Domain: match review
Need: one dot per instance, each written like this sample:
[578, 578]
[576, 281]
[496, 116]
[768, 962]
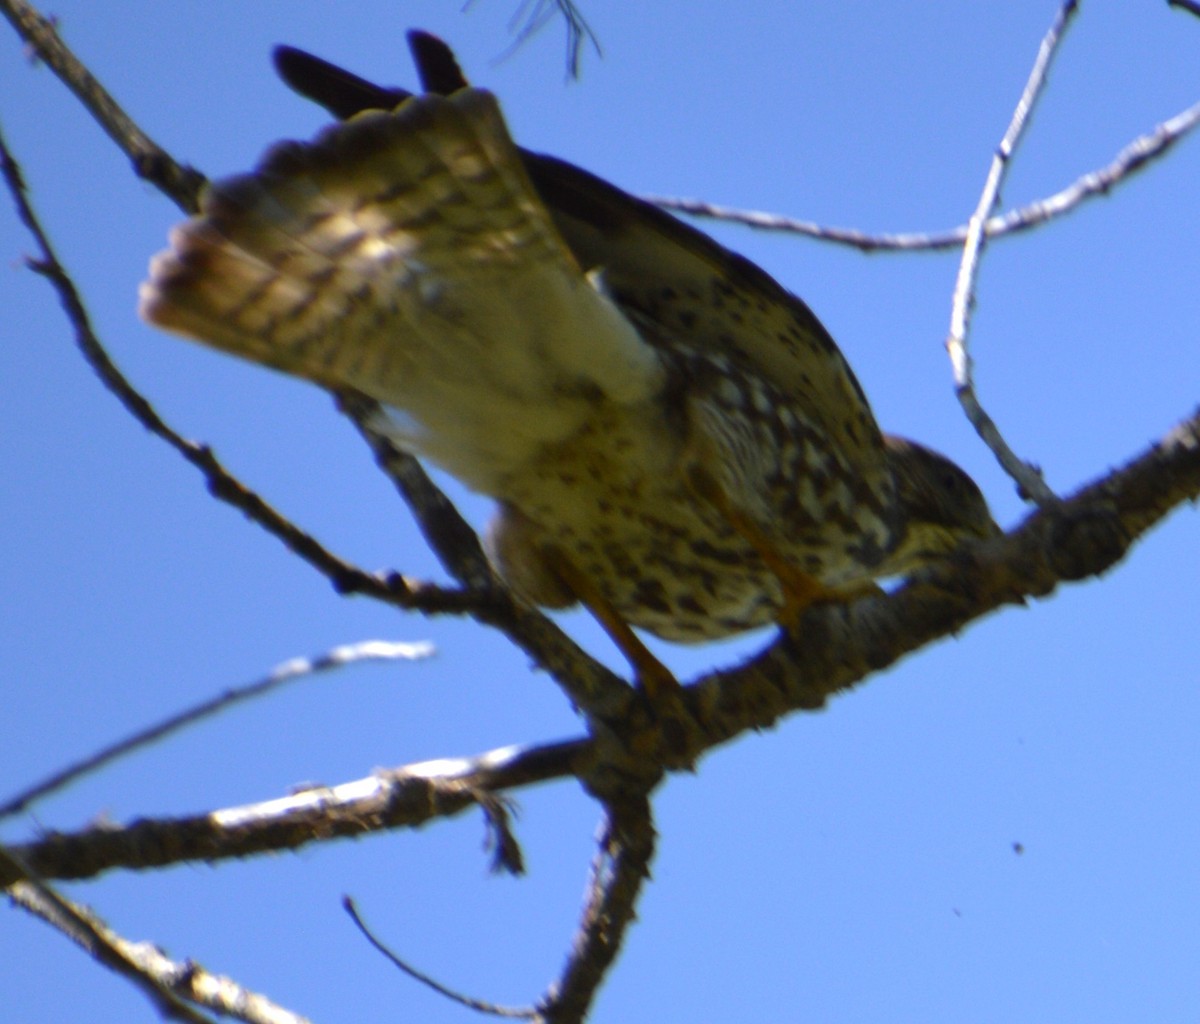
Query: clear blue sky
[854, 865]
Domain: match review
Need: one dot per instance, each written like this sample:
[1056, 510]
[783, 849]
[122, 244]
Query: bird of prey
[671, 437]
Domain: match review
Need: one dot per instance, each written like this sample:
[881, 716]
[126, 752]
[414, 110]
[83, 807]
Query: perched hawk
[671, 437]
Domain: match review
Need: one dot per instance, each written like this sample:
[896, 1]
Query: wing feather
[654, 265]
[406, 255]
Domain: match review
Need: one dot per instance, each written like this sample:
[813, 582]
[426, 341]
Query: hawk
[671, 437]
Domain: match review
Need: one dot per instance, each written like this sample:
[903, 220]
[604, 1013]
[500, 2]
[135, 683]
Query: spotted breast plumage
[671, 437]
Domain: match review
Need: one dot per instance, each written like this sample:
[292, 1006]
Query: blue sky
[853, 865]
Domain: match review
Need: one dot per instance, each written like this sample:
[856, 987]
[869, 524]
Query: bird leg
[653, 677]
[801, 590]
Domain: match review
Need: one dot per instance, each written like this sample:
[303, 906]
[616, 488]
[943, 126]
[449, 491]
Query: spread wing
[653, 264]
[405, 254]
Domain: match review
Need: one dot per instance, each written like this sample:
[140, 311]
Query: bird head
[938, 506]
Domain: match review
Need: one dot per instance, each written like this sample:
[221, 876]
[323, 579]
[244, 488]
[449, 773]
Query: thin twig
[533, 15]
[1028, 477]
[498, 811]
[290, 671]
[1137, 154]
[479, 1005]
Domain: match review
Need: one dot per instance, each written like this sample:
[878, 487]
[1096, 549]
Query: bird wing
[405, 254]
[652, 264]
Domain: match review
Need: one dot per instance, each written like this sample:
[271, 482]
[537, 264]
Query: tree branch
[1139, 153]
[83, 928]
[447, 533]
[619, 870]
[1084, 536]
[404, 798]
[471, 1003]
[290, 671]
[150, 161]
[1028, 477]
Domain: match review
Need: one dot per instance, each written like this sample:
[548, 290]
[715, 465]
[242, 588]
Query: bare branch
[150, 161]
[83, 928]
[405, 798]
[288, 672]
[222, 485]
[1028, 477]
[168, 983]
[620, 869]
[1137, 154]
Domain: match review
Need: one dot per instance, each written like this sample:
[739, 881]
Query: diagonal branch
[446, 532]
[223, 486]
[29, 892]
[619, 871]
[150, 161]
[174, 987]
[1084, 536]
[290, 671]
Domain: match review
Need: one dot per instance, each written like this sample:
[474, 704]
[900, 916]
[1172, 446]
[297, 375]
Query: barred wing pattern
[655, 265]
[407, 256]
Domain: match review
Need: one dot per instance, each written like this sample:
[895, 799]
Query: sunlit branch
[1027, 477]
[404, 798]
[83, 928]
